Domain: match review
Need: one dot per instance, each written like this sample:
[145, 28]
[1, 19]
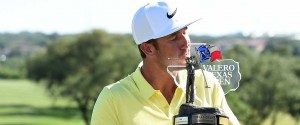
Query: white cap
[156, 20]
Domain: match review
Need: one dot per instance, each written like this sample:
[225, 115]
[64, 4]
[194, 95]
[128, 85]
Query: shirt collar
[143, 86]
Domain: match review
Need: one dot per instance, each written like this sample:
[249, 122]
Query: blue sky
[219, 17]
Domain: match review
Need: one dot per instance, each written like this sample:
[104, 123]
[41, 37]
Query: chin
[182, 62]
[177, 62]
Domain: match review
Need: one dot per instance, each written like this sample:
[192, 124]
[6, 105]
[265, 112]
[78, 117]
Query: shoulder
[120, 87]
[106, 108]
[207, 77]
[111, 95]
[208, 80]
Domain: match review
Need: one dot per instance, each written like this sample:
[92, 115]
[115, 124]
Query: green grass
[23, 102]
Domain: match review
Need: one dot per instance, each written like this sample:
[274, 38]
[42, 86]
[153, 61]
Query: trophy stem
[190, 94]
[190, 114]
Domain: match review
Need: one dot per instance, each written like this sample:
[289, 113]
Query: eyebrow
[173, 34]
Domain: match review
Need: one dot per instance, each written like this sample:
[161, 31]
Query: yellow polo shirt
[133, 101]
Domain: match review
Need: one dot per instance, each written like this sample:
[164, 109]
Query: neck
[159, 79]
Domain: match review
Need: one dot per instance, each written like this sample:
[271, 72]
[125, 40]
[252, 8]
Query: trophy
[226, 72]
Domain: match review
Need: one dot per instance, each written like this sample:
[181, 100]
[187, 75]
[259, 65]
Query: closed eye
[173, 37]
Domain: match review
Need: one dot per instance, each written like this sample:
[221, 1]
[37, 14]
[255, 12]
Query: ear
[148, 49]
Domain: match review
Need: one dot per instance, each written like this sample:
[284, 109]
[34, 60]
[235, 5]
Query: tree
[246, 59]
[293, 96]
[269, 85]
[80, 67]
[283, 46]
[289, 50]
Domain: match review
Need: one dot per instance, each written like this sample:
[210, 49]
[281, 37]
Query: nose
[185, 40]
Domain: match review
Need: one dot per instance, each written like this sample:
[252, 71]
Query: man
[149, 96]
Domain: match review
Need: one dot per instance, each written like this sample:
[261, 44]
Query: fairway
[23, 102]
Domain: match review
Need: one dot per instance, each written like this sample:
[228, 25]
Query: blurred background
[56, 56]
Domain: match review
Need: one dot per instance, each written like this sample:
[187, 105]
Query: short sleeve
[104, 112]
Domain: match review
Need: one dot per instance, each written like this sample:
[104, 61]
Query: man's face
[173, 49]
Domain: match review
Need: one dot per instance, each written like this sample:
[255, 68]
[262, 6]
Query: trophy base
[190, 114]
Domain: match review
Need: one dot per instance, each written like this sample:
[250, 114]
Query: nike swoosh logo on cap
[170, 16]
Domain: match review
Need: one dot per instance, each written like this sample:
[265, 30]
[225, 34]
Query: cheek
[188, 38]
